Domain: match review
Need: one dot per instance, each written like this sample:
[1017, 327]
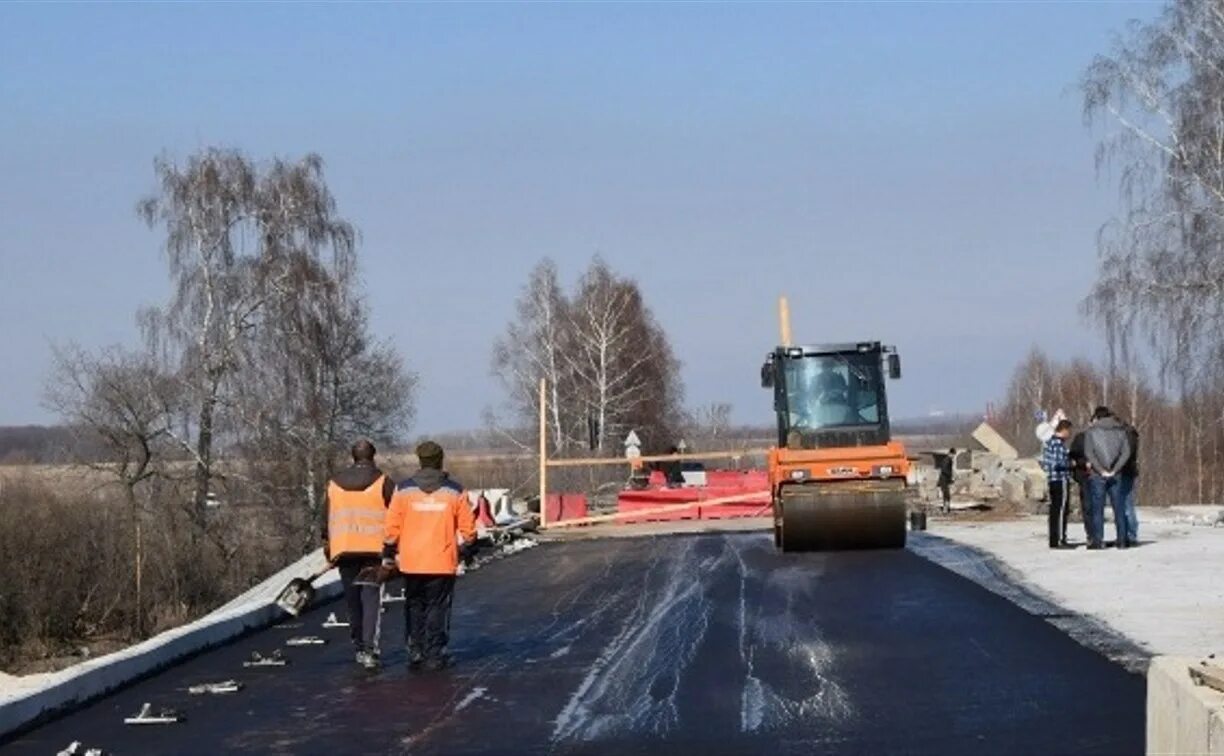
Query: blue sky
[917, 173]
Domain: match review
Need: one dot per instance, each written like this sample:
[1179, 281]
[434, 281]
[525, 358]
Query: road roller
[838, 479]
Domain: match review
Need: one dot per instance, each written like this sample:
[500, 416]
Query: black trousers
[363, 601]
[427, 609]
[946, 490]
[1060, 506]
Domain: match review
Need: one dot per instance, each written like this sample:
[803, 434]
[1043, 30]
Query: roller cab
[837, 477]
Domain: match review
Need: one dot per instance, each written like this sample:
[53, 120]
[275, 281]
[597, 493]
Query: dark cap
[363, 451]
[1101, 412]
[430, 454]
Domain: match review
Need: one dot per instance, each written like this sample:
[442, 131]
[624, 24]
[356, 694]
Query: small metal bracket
[332, 621]
[306, 640]
[146, 716]
[225, 686]
[276, 659]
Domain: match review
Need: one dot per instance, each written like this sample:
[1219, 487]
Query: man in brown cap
[426, 511]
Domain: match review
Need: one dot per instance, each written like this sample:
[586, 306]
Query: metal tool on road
[298, 594]
[217, 688]
[837, 478]
[275, 659]
[332, 621]
[306, 640]
[147, 716]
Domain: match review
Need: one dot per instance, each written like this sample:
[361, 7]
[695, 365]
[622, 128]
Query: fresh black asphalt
[668, 645]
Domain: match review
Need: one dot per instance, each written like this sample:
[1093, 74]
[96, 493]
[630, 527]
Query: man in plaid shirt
[1057, 466]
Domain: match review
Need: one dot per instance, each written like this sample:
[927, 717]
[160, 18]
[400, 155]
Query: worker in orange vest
[354, 514]
[425, 513]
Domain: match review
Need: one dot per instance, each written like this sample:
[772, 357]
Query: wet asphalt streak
[683, 644]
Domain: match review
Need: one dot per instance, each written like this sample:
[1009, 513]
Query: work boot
[415, 658]
[436, 663]
[367, 660]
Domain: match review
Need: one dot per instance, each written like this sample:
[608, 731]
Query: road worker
[353, 519]
[426, 511]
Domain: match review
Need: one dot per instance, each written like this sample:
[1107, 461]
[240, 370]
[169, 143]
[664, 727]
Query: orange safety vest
[355, 519]
[424, 526]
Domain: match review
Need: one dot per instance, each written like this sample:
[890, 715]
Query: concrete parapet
[1182, 716]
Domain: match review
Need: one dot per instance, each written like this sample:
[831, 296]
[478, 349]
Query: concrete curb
[51, 694]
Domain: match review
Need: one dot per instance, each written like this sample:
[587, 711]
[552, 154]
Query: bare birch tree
[532, 348]
[1162, 258]
[311, 381]
[233, 232]
[607, 362]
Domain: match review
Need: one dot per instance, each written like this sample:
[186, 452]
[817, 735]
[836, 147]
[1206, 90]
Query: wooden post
[784, 320]
[543, 454]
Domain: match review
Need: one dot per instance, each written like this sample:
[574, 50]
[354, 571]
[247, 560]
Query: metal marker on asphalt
[225, 686]
[306, 640]
[146, 716]
[257, 659]
[332, 621]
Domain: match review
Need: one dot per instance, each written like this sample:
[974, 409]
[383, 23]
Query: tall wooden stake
[543, 454]
[784, 320]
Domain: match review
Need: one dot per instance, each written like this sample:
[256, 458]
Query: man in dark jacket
[353, 516]
[1131, 471]
[1079, 471]
[946, 475]
[1107, 449]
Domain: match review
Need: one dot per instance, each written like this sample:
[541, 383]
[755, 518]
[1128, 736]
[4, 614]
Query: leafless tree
[235, 234]
[124, 401]
[532, 348]
[625, 376]
[608, 363]
[312, 380]
[1162, 259]
[712, 422]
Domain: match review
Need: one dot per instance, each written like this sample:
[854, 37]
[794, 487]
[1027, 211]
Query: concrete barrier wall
[28, 701]
[1182, 717]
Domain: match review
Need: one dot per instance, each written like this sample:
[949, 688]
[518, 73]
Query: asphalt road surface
[666, 645]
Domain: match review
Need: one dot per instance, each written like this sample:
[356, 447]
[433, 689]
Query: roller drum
[837, 517]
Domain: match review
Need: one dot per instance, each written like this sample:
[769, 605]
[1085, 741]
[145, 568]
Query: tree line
[1159, 295]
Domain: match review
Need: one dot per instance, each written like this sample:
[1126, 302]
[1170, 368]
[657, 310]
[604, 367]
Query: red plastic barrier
[650, 498]
[719, 483]
[566, 506]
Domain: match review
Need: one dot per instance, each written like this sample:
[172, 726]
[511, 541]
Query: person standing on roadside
[1056, 463]
[1079, 471]
[1107, 449]
[1131, 472]
[945, 479]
